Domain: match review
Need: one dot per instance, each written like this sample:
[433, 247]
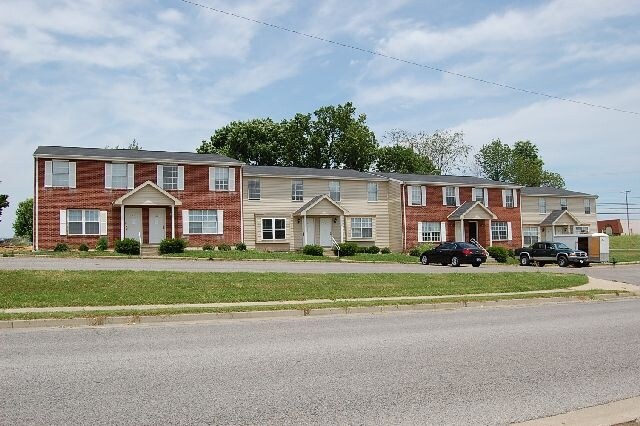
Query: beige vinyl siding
[147, 196]
[575, 206]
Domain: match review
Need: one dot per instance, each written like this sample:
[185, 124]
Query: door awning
[472, 210]
[147, 194]
[321, 205]
[560, 217]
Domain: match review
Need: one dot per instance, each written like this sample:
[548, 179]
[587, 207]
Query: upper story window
[221, 179]
[587, 206]
[416, 196]
[83, 222]
[542, 205]
[563, 203]
[334, 190]
[297, 190]
[60, 173]
[170, 176]
[119, 179]
[372, 191]
[508, 198]
[450, 196]
[478, 194]
[254, 189]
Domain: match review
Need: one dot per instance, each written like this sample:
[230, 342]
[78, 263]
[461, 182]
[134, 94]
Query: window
[542, 205]
[508, 198]
[581, 229]
[530, 234]
[450, 196]
[430, 232]
[254, 189]
[361, 227]
[203, 221]
[221, 179]
[416, 195]
[499, 231]
[334, 190]
[119, 178]
[297, 190]
[372, 191]
[587, 206]
[170, 176]
[60, 173]
[563, 203]
[478, 194]
[273, 229]
[83, 222]
[563, 229]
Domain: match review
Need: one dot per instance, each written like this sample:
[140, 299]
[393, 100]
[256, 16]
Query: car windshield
[562, 246]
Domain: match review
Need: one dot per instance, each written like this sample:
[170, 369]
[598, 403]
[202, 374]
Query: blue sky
[102, 72]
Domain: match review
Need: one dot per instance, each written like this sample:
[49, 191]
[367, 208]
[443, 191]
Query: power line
[406, 61]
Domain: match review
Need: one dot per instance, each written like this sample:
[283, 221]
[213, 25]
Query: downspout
[35, 207]
[242, 205]
[404, 217]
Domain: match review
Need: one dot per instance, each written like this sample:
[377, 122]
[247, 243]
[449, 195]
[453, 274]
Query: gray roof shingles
[304, 172]
[557, 192]
[447, 179]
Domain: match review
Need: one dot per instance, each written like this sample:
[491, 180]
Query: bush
[127, 246]
[224, 247]
[83, 247]
[102, 244]
[313, 250]
[241, 246]
[172, 245]
[500, 254]
[208, 247]
[385, 250]
[373, 250]
[418, 250]
[60, 247]
[347, 249]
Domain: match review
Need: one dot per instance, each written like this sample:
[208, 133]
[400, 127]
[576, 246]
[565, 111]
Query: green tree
[4, 203]
[445, 149]
[494, 160]
[133, 145]
[402, 159]
[23, 225]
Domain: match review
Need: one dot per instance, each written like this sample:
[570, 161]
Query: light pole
[626, 201]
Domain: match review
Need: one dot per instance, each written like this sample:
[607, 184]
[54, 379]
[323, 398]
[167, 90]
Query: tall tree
[402, 159]
[494, 160]
[23, 224]
[4, 203]
[446, 149]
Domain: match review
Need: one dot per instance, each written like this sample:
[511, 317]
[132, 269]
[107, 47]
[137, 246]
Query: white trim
[232, 179]
[509, 232]
[486, 196]
[63, 222]
[220, 218]
[504, 198]
[185, 222]
[103, 222]
[122, 224]
[419, 232]
[121, 200]
[443, 232]
[107, 175]
[456, 190]
[159, 174]
[130, 176]
[72, 174]
[409, 195]
[423, 195]
[444, 195]
[35, 206]
[404, 220]
[180, 178]
[242, 206]
[48, 174]
[212, 178]
[515, 197]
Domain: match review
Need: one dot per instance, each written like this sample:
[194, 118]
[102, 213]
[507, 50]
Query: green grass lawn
[249, 254]
[617, 242]
[103, 288]
[624, 255]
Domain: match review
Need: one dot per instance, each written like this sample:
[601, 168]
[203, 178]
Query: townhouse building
[550, 212]
[82, 194]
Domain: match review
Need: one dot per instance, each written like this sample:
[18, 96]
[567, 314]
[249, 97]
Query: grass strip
[21, 288]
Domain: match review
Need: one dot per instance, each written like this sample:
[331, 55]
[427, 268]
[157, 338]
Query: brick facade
[90, 193]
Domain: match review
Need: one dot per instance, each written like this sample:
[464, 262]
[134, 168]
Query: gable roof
[315, 201]
[540, 191]
[301, 172]
[466, 207]
[555, 215]
[443, 180]
[140, 155]
[142, 186]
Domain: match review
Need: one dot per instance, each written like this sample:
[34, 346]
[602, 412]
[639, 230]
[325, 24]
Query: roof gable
[471, 210]
[560, 217]
[147, 193]
[321, 205]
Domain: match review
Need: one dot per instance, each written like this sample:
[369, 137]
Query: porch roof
[317, 200]
[556, 215]
[472, 210]
[150, 194]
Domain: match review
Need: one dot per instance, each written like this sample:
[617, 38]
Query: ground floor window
[203, 221]
[581, 229]
[273, 229]
[430, 232]
[499, 231]
[564, 230]
[361, 227]
[83, 222]
[530, 234]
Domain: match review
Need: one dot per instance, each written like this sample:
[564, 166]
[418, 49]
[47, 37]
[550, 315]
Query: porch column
[490, 235]
[462, 229]
[304, 229]
[122, 221]
[342, 228]
[173, 221]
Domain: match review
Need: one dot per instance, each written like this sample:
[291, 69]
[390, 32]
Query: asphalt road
[623, 273]
[473, 366]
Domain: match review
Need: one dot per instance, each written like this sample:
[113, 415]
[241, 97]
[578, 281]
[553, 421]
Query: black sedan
[455, 253]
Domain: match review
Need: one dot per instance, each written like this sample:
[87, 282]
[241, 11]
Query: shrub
[127, 246]
[241, 246]
[373, 250]
[208, 247]
[347, 249]
[313, 250]
[385, 250]
[60, 247]
[418, 250]
[172, 245]
[102, 244]
[224, 247]
[83, 247]
[500, 254]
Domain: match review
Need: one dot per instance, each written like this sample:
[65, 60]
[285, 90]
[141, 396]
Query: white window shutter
[72, 174]
[185, 222]
[130, 176]
[419, 231]
[457, 196]
[48, 173]
[232, 179]
[504, 199]
[444, 195]
[180, 178]
[515, 197]
[509, 234]
[473, 194]
[63, 222]
[443, 232]
[486, 196]
[159, 176]
[103, 222]
[220, 221]
[423, 190]
[212, 178]
[107, 175]
[409, 195]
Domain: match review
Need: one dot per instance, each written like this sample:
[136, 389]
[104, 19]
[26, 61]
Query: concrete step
[149, 250]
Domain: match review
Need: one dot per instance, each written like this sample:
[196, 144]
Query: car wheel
[524, 261]
[563, 261]
[475, 264]
[424, 259]
[540, 264]
[455, 262]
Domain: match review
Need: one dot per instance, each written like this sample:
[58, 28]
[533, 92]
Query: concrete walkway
[593, 284]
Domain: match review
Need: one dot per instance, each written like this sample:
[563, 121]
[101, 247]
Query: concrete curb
[288, 313]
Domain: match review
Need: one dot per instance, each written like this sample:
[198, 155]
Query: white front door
[133, 223]
[325, 231]
[311, 231]
[157, 221]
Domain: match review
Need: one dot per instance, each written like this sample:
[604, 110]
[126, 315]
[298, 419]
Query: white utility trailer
[596, 245]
